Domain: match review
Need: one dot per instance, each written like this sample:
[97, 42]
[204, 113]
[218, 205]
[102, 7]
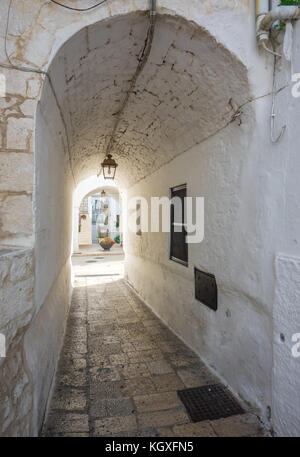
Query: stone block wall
[17, 309]
[17, 111]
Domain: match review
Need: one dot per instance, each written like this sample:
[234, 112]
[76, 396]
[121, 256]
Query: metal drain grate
[209, 402]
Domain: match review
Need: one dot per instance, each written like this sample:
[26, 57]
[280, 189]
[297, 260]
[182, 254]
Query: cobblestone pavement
[120, 368]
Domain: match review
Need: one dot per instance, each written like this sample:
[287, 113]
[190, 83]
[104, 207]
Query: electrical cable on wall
[273, 114]
[29, 69]
[11, 66]
[79, 9]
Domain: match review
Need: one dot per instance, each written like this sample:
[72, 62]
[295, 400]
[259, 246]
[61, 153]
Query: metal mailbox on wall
[206, 289]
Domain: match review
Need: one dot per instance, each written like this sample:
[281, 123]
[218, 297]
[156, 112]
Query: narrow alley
[120, 367]
[149, 219]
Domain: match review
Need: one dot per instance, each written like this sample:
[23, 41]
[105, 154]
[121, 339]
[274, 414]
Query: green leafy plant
[117, 239]
[280, 26]
[289, 3]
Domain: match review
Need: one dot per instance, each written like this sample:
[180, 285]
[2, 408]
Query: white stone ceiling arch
[181, 97]
[92, 185]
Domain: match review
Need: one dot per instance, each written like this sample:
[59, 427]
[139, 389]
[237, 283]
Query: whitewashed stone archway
[42, 143]
[86, 188]
[212, 133]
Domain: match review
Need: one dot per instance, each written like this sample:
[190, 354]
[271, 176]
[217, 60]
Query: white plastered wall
[54, 185]
[286, 247]
[252, 220]
[236, 341]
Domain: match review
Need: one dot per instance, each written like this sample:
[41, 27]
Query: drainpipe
[265, 18]
[262, 9]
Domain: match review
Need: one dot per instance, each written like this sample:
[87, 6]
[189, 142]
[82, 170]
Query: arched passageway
[103, 205]
[186, 93]
[196, 122]
[181, 97]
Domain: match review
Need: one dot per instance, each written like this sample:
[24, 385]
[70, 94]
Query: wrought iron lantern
[109, 166]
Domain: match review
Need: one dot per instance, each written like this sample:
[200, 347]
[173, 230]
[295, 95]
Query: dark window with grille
[178, 245]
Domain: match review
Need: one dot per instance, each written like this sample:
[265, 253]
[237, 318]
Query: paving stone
[69, 399]
[181, 360]
[76, 334]
[128, 320]
[73, 378]
[155, 330]
[119, 359]
[71, 362]
[145, 433]
[61, 423]
[201, 429]
[120, 369]
[127, 347]
[196, 377]
[101, 328]
[111, 339]
[165, 432]
[77, 346]
[113, 425]
[159, 367]
[167, 382]
[97, 359]
[162, 418]
[75, 435]
[143, 345]
[157, 402]
[99, 375]
[138, 386]
[145, 356]
[168, 347]
[134, 434]
[110, 389]
[133, 370]
[96, 347]
[132, 326]
[109, 407]
[77, 321]
[163, 337]
[149, 322]
[238, 426]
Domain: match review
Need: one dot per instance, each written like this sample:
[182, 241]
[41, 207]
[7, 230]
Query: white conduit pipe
[281, 13]
[264, 22]
[266, 18]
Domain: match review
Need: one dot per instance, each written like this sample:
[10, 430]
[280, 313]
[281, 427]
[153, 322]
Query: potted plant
[106, 243]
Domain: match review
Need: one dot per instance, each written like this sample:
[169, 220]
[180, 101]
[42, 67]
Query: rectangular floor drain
[209, 402]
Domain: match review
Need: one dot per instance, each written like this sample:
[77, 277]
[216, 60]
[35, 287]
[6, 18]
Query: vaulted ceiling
[181, 97]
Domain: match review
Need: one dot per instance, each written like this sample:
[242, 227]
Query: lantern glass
[109, 167]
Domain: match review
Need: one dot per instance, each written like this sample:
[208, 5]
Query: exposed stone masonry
[17, 111]
[16, 303]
